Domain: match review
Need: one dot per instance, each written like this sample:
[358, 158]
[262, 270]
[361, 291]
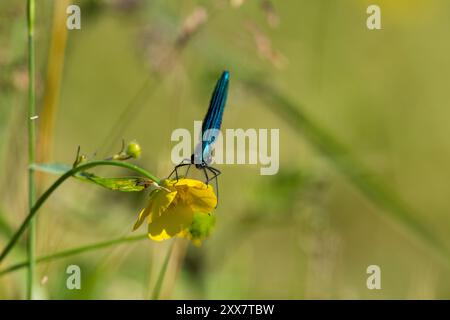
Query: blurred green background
[140, 69]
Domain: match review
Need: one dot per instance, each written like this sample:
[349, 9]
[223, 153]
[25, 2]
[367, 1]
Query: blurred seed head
[20, 79]
[191, 24]
[264, 47]
[155, 42]
[162, 45]
[272, 17]
[267, 7]
[236, 3]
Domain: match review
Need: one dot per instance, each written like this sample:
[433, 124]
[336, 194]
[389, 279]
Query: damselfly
[202, 156]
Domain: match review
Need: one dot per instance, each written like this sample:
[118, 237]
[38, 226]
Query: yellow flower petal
[186, 182]
[203, 199]
[174, 220]
[159, 237]
[199, 195]
[162, 201]
[171, 213]
[144, 213]
[159, 201]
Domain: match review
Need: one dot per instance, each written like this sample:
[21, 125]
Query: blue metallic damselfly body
[202, 156]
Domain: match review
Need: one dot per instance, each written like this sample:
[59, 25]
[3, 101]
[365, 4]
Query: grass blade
[162, 273]
[75, 251]
[379, 194]
[31, 242]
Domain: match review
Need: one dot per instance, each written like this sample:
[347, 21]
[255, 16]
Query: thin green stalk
[56, 184]
[361, 177]
[31, 244]
[162, 273]
[74, 251]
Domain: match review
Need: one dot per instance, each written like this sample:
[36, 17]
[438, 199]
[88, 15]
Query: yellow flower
[179, 208]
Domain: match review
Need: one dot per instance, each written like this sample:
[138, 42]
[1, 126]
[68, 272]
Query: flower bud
[133, 150]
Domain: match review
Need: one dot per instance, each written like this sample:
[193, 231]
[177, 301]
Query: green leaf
[124, 184]
[55, 168]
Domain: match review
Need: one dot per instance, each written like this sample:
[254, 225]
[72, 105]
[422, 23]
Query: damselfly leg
[216, 173]
[187, 162]
[184, 163]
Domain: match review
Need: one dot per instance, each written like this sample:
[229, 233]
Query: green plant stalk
[361, 177]
[31, 243]
[162, 273]
[57, 183]
[75, 251]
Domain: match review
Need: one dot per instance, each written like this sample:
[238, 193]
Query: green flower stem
[75, 251]
[162, 273]
[56, 184]
[31, 243]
